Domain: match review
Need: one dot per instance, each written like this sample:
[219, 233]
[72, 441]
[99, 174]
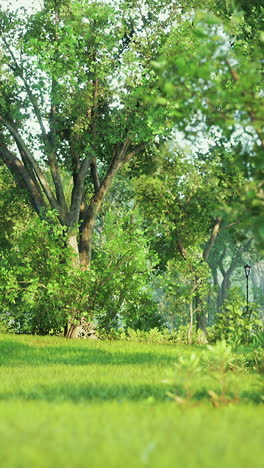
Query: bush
[154, 335]
[235, 324]
[254, 360]
[32, 277]
[40, 290]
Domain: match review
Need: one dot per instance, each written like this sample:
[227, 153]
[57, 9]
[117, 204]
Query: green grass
[67, 403]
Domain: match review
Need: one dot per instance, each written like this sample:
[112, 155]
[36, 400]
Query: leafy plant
[185, 369]
[258, 338]
[222, 358]
[234, 324]
[254, 360]
[35, 278]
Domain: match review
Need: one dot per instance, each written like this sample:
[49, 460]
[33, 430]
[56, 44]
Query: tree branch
[51, 147]
[127, 157]
[94, 173]
[49, 142]
[18, 70]
[33, 163]
[89, 214]
[77, 194]
[181, 249]
[23, 178]
[212, 239]
[229, 225]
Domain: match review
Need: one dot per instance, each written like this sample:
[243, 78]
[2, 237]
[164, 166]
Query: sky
[15, 4]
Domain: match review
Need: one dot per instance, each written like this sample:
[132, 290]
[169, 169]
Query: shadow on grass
[87, 392]
[21, 354]
[93, 392]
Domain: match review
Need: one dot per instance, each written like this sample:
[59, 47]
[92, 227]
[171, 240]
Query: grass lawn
[77, 403]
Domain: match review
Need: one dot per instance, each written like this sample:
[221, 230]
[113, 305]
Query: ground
[78, 403]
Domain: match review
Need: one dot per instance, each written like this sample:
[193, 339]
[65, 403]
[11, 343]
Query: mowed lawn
[77, 403]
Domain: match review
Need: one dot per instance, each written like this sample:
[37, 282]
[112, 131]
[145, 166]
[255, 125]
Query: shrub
[40, 289]
[235, 324]
[154, 335]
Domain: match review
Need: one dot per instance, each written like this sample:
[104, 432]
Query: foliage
[107, 84]
[221, 355]
[14, 207]
[254, 360]
[218, 361]
[185, 369]
[210, 77]
[177, 336]
[235, 323]
[234, 248]
[180, 199]
[34, 279]
[77, 72]
[40, 288]
[73, 78]
[258, 338]
[123, 268]
[180, 195]
[183, 281]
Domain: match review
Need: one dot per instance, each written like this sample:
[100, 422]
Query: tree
[216, 64]
[80, 72]
[233, 249]
[210, 77]
[181, 201]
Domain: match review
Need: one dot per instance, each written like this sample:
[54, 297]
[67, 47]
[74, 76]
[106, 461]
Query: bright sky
[15, 4]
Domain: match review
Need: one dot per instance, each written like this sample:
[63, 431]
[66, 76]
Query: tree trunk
[225, 286]
[91, 212]
[73, 244]
[201, 318]
[85, 244]
[201, 321]
[190, 328]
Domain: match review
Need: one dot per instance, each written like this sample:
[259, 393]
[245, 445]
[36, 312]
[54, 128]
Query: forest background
[132, 167]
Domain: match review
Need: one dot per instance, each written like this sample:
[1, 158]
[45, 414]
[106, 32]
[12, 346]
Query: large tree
[73, 78]
[79, 71]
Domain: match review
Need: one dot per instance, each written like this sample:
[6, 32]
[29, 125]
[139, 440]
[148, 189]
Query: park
[131, 233]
